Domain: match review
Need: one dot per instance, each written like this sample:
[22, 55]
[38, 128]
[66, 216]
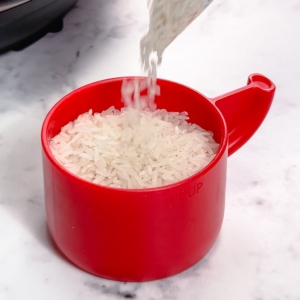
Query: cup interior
[101, 95]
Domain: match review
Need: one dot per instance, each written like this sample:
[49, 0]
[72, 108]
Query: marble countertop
[257, 254]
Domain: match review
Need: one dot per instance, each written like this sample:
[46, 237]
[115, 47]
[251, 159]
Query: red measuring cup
[147, 234]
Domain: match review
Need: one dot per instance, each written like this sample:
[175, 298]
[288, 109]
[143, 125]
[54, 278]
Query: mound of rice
[133, 148]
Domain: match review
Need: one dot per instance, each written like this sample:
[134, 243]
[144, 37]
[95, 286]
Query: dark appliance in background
[23, 22]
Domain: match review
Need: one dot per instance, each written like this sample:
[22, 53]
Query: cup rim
[46, 149]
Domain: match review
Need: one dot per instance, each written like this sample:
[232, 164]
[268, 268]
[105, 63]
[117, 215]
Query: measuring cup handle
[244, 109]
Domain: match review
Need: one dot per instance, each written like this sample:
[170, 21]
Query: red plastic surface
[140, 235]
[245, 109]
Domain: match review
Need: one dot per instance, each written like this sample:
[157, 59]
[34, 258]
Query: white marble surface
[257, 255]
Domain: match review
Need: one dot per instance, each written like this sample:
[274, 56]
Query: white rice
[168, 18]
[133, 148]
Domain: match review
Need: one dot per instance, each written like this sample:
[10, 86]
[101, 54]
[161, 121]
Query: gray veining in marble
[257, 254]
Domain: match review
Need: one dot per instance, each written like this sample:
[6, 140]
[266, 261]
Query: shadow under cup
[135, 235]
